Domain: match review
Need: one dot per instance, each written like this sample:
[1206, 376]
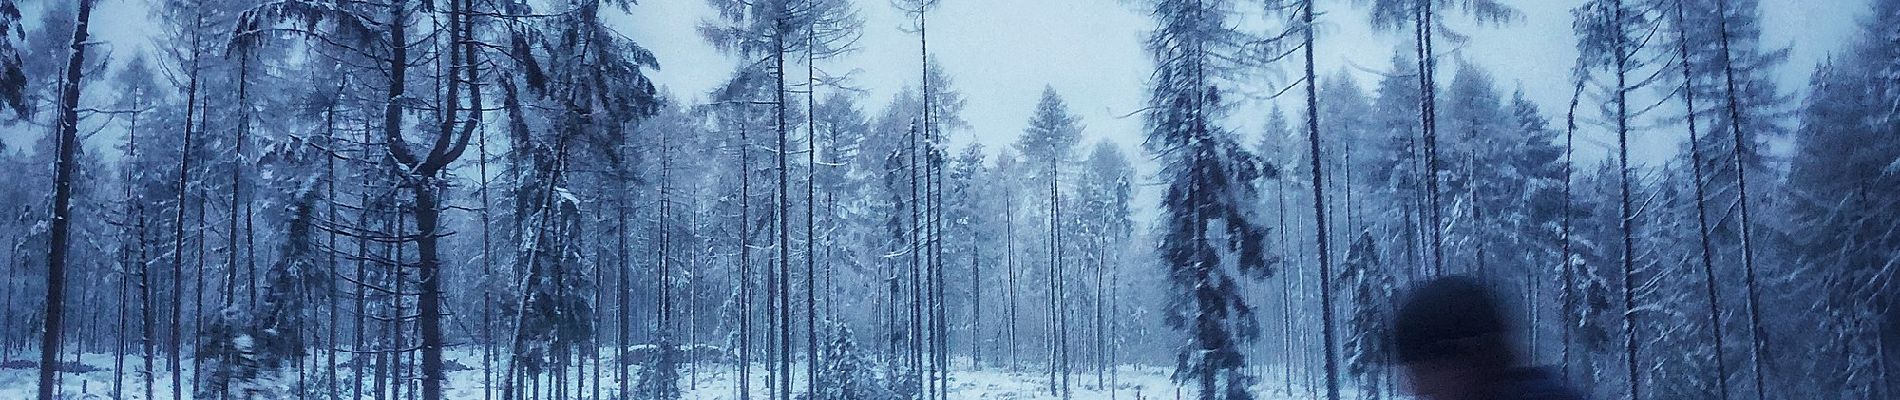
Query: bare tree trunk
[1627, 218]
[1101, 335]
[80, 331]
[693, 291]
[330, 339]
[238, 202]
[1287, 348]
[448, 144]
[132, 260]
[392, 132]
[939, 317]
[976, 307]
[488, 271]
[1058, 334]
[1757, 347]
[593, 344]
[429, 301]
[1568, 273]
[67, 137]
[745, 262]
[147, 347]
[1114, 349]
[783, 287]
[358, 359]
[623, 324]
[7, 293]
[120, 326]
[1327, 331]
[398, 348]
[1428, 125]
[665, 230]
[198, 301]
[147, 316]
[1701, 207]
[178, 223]
[928, 226]
[914, 355]
[1009, 265]
[811, 209]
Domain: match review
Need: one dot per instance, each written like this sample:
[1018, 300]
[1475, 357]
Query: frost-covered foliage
[1051, 137]
[318, 198]
[1840, 231]
[1210, 238]
[660, 374]
[12, 79]
[848, 373]
[250, 352]
[1393, 14]
[1373, 288]
[241, 369]
[555, 317]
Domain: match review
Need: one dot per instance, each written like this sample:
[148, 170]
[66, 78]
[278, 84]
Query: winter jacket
[1534, 384]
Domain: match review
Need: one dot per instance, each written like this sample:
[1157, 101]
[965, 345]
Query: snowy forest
[514, 199]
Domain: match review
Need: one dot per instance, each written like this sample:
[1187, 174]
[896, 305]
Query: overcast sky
[1000, 53]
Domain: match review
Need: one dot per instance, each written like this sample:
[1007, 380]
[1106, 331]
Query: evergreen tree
[1210, 238]
[1732, 65]
[849, 374]
[253, 351]
[1347, 114]
[1049, 142]
[1529, 208]
[968, 237]
[1373, 288]
[1394, 166]
[1610, 40]
[1843, 180]
[12, 78]
[66, 136]
[1422, 16]
[842, 132]
[1105, 226]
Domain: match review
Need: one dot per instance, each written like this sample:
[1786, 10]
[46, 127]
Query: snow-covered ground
[710, 382]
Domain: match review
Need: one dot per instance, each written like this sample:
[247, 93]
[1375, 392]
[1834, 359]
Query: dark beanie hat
[1442, 317]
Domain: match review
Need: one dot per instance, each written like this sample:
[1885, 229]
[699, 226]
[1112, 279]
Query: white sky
[1001, 52]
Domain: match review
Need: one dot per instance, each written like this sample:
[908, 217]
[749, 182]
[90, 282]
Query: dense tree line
[361, 199]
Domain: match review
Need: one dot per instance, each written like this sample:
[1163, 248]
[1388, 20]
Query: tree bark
[1701, 207]
[1757, 347]
[1327, 332]
[1428, 126]
[783, 287]
[1627, 217]
[67, 137]
[1568, 273]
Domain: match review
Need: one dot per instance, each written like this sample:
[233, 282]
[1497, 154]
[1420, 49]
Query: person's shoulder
[1563, 394]
[1540, 384]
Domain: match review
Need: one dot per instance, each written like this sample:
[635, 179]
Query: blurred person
[1453, 341]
